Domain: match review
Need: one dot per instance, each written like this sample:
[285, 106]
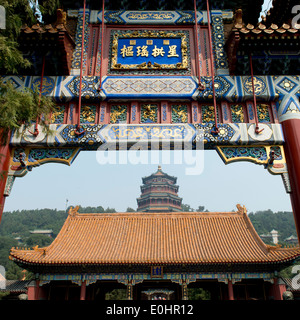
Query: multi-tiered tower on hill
[159, 193]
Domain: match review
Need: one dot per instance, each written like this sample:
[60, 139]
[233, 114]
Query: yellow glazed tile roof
[156, 238]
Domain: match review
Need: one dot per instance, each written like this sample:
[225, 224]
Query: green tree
[6, 243]
[266, 221]
[116, 294]
[12, 271]
[19, 107]
[186, 208]
[17, 13]
[198, 294]
[3, 294]
[38, 239]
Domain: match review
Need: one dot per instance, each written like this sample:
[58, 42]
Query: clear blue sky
[87, 183]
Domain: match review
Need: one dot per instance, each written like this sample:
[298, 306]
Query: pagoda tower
[159, 193]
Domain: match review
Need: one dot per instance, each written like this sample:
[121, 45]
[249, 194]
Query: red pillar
[230, 290]
[291, 130]
[33, 290]
[278, 290]
[83, 290]
[4, 166]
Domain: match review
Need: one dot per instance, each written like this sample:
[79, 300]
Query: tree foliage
[198, 294]
[116, 294]
[17, 13]
[11, 58]
[266, 221]
[19, 107]
[48, 9]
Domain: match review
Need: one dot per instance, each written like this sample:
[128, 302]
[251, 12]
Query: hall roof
[156, 238]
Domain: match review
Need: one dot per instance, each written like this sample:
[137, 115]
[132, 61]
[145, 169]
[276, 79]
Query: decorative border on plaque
[149, 50]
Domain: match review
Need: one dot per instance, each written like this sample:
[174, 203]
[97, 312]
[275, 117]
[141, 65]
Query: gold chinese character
[158, 51]
[127, 51]
[172, 51]
[142, 51]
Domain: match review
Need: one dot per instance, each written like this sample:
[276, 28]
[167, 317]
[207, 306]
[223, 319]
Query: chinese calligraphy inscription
[148, 49]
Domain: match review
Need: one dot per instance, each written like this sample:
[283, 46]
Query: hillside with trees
[15, 228]
[282, 221]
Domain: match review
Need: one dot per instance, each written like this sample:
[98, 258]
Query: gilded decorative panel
[208, 114]
[58, 114]
[263, 113]
[237, 113]
[179, 113]
[118, 113]
[88, 114]
[149, 113]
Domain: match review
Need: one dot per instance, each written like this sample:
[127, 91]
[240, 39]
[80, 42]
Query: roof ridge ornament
[241, 209]
[73, 211]
[42, 250]
[238, 21]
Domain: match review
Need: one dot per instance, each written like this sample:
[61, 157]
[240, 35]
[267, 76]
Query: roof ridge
[158, 214]
[255, 235]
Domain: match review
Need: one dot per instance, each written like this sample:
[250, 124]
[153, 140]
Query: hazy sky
[87, 183]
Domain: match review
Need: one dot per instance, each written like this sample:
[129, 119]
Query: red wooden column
[33, 290]
[230, 290]
[83, 290]
[291, 130]
[4, 166]
[278, 289]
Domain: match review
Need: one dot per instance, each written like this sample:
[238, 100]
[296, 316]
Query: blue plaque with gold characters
[149, 49]
[156, 272]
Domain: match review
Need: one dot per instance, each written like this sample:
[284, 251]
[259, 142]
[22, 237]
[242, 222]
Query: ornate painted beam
[235, 134]
[228, 88]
